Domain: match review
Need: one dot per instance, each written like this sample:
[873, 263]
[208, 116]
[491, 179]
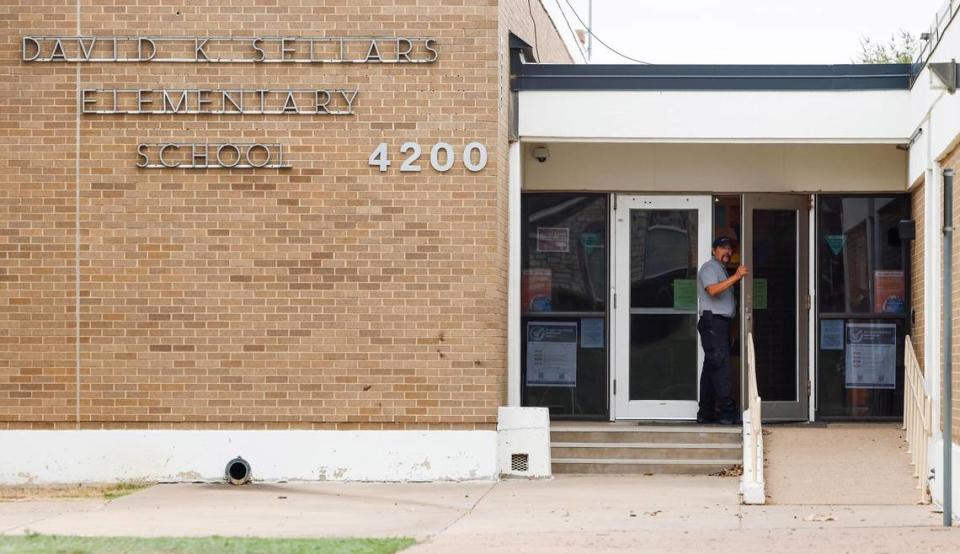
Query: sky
[746, 31]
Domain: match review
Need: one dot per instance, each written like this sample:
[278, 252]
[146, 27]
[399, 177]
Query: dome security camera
[541, 153]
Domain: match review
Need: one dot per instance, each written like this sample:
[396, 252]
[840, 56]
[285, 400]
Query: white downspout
[513, 287]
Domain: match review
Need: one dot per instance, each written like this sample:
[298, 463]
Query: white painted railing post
[752, 487]
[916, 417]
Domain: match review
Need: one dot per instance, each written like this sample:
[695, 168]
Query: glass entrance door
[660, 242]
[776, 301]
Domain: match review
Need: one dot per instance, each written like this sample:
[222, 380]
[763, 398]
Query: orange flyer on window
[536, 285]
[888, 292]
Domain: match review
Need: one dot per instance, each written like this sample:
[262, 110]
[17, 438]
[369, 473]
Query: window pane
[588, 394]
[663, 257]
[861, 367]
[863, 270]
[564, 355]
[663, 357]
[861, 260]
[565, 267]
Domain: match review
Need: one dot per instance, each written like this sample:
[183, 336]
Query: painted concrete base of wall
[523, 436]
[105, 456]
[936, 483]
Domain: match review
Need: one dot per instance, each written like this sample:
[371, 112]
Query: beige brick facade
[916, 272]
[326, 295]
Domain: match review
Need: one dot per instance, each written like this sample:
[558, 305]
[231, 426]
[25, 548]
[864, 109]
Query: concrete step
[641, 466]
[647, 434]
[630, 448]
[631, 451]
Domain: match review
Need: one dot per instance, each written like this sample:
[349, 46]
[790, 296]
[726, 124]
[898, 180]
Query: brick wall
[916, 272]
[37, 226]
[328, 295]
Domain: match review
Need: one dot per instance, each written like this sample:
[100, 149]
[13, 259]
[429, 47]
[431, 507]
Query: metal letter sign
[238, 101]
[202, 155]
[219, 101]
[230, 49]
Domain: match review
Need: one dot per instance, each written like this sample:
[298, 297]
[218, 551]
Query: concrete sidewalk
[566, 514]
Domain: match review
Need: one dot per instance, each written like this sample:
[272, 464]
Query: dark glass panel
[663, 249]
[663, 357]
[775, 293]
[565, 266]
[861, 260]
[588, 398]
[663, 320]
[862, 379]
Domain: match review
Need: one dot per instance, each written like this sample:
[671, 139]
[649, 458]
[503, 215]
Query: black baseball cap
[724, 240]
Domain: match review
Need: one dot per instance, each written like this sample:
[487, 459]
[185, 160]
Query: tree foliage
[899, 49]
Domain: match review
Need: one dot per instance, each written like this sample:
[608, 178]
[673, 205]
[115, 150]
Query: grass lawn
[54, 544]
[106, 491]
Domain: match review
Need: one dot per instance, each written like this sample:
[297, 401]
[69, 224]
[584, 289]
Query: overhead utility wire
[576, 39]
[600, 40]
[536, 40]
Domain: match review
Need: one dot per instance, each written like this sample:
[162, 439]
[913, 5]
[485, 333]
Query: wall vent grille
[519, 462]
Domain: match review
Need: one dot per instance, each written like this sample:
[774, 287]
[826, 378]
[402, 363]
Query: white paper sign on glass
[551, 354]
[871, 356]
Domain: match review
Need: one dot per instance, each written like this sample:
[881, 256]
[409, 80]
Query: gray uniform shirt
[711, 273]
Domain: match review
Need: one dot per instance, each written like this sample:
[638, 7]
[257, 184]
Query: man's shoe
[729, 421]
[705, 420]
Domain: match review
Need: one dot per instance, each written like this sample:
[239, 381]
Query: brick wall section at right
[916, 273]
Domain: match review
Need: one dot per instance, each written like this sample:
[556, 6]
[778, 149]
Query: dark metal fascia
[527, 76]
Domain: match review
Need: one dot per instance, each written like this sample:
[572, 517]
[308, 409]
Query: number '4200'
[442, 157]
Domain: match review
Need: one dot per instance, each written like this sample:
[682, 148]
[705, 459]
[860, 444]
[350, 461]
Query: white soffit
[722, 116]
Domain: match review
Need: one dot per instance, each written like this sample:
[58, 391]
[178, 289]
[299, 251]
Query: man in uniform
[717, 308]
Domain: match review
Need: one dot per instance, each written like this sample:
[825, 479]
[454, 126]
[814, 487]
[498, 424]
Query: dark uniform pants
[715, 381]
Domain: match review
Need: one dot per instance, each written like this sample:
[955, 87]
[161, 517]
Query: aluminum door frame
[797, 410]
[621, 407]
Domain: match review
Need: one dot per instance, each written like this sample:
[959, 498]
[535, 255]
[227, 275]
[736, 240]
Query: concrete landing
[850, 464]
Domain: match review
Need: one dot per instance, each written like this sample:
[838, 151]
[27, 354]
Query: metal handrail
[753, 434]
[916, 417]
[941, 19]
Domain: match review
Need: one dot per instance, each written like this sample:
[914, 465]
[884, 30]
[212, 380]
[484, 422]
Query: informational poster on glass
[888, 287]
[831, 334]
[553, 239]
[591, 332]
[871, 356]
[551, 354]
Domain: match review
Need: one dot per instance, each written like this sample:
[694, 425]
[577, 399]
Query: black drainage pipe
[237, 471]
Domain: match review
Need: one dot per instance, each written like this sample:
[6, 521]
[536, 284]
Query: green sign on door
[684, 294]
[759, 294]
